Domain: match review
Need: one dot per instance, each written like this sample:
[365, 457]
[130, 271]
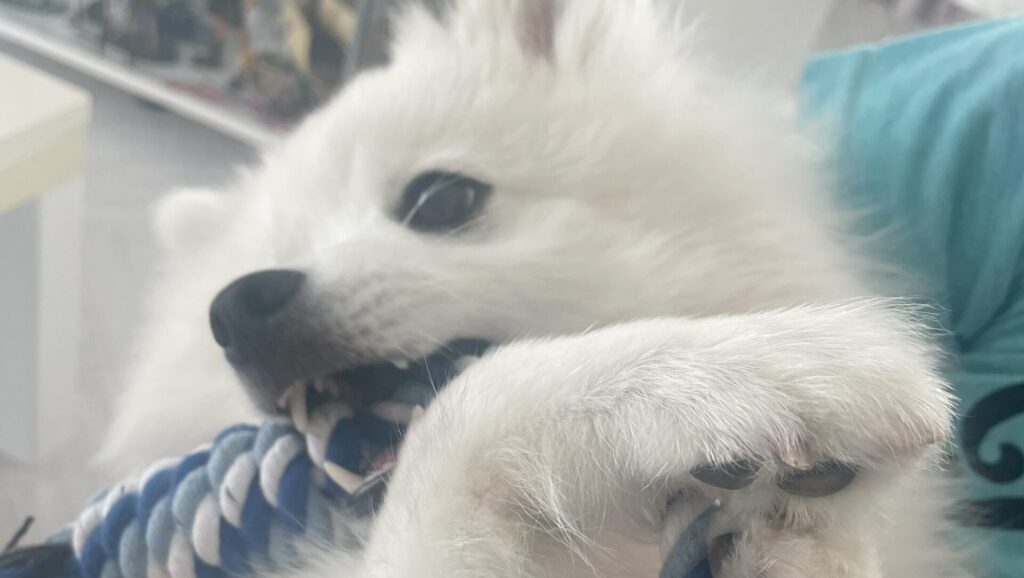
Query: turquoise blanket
[931, 138]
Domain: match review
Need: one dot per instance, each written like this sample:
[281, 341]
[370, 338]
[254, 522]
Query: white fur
[631, 183]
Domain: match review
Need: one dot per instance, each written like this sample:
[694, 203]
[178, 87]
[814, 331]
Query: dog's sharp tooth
[349, 481]
[285, 400]
[320, 385]
[402, 364]
[396, 412]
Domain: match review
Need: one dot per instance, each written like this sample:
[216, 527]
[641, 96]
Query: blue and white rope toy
[246, 500]
[256, 493]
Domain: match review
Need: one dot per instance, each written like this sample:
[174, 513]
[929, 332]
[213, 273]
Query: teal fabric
[931, 137]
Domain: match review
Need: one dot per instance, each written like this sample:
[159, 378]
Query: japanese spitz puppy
[674, 307]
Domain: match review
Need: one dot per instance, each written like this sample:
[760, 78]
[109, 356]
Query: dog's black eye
[438, 201]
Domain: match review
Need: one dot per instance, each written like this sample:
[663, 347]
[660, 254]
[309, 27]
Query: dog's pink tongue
[384, 459]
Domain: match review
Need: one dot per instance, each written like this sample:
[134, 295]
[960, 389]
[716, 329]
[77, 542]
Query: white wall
[766, 38]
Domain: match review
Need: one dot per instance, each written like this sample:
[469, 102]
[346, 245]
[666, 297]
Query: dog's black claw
[824, 479]
[720, 548]
[730, 476]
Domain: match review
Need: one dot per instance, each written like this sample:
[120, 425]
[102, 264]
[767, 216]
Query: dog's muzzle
[267, 326]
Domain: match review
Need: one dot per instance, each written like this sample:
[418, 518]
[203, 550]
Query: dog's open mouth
[387, 395]
[411, 382]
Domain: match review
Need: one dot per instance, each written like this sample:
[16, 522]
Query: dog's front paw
[804, 513]
[779, 519]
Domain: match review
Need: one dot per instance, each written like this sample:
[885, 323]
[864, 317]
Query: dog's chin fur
[630, 182]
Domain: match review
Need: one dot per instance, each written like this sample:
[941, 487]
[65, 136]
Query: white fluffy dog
[653, 248]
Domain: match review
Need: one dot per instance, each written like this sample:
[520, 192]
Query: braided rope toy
[250, 498]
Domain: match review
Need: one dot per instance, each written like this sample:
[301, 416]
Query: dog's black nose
[241, 314]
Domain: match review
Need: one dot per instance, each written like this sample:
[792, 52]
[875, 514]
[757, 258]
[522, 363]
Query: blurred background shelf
[162, 85]
[249, 69]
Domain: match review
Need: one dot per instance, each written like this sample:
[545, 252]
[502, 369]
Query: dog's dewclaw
[730, 476]
[824, 479]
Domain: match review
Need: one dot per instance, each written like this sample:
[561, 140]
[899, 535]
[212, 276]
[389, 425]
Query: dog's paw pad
[823, 479]
[730, 476]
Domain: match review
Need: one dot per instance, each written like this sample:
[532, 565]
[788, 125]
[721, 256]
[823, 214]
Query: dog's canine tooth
[285, 400]
[396, 412]
[349, 481]
[402, 364]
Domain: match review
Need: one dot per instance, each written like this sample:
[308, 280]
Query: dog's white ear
[189, 216]
[535, 26]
